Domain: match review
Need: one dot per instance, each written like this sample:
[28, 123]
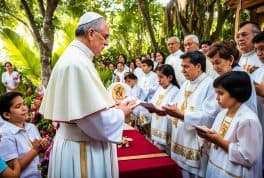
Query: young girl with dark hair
[236, 135]
[165, 94]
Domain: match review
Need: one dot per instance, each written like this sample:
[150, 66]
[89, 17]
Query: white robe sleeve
[248, 148]
[106, 125]
[207, 114]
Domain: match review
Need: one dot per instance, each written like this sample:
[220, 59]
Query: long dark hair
[168, 70]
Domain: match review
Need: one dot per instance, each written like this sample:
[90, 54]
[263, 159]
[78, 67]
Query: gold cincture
[188, 153]
[83, 160]
[160, 133]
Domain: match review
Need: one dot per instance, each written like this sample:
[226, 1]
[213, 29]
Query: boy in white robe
[149, 84]
[76, 98]
[149, 80]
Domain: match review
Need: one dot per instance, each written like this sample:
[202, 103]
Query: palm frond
[21, 54]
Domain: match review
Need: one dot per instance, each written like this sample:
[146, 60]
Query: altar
[143, 160]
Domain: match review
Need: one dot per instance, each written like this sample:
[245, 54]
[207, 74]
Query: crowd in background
[217, 86]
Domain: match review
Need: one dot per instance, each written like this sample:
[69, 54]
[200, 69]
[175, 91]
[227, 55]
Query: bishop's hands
[172, 110]
[126, 107]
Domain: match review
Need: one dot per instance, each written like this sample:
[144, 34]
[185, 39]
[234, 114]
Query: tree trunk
[45, 40]
[169, 18]
[222, 16]
[191, 17]
[143, 7]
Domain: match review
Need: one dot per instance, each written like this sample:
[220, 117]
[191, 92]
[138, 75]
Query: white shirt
[149, 84]
[11, 80]
[249, 59]
[138, 72]
[19, 143]
[175, 61]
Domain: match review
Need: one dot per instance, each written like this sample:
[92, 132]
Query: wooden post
[237, 20]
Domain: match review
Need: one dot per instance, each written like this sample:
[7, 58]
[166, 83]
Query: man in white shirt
[191, 43]
[76, 98]
[248, 60]
[173, 59]
[194, 105]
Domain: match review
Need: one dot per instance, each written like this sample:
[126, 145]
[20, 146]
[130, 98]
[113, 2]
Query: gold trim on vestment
[225, 126]
[188, 153]
[160, 133]
[175, 122]
[223, 170]
[154, 155]
[83, 160]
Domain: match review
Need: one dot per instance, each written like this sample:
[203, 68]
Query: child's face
[138, 62]
[164, 81]
[159, 58]
[18, 111]
[111, 67]
[145, 68]
[131, 82]
[223, 98]
[120, 67]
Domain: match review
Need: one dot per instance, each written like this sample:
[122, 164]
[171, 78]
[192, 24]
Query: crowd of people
[208, 114]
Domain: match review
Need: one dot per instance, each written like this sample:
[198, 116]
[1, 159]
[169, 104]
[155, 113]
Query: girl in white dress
[165, 94]
[236, 135]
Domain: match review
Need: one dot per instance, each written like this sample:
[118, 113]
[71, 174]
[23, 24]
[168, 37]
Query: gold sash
[153, 155]
[83, 160]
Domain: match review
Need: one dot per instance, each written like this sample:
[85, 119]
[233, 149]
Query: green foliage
[2, 88]
[63, 38]
[106, 76]
[245, 15]
[21, 54]
[128, 33]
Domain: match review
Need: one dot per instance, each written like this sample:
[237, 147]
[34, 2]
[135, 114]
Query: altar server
[236, 135]
[165, 94]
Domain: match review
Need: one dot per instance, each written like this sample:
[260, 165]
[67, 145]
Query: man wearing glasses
[248, 60]
[76, 98]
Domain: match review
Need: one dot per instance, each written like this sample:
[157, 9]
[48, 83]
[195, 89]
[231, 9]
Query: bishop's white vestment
[89, 123]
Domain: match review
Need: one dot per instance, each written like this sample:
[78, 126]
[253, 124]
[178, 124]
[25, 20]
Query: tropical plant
[21, 54]
[106, 76]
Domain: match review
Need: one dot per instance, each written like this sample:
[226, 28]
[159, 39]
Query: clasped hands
[40, 144]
